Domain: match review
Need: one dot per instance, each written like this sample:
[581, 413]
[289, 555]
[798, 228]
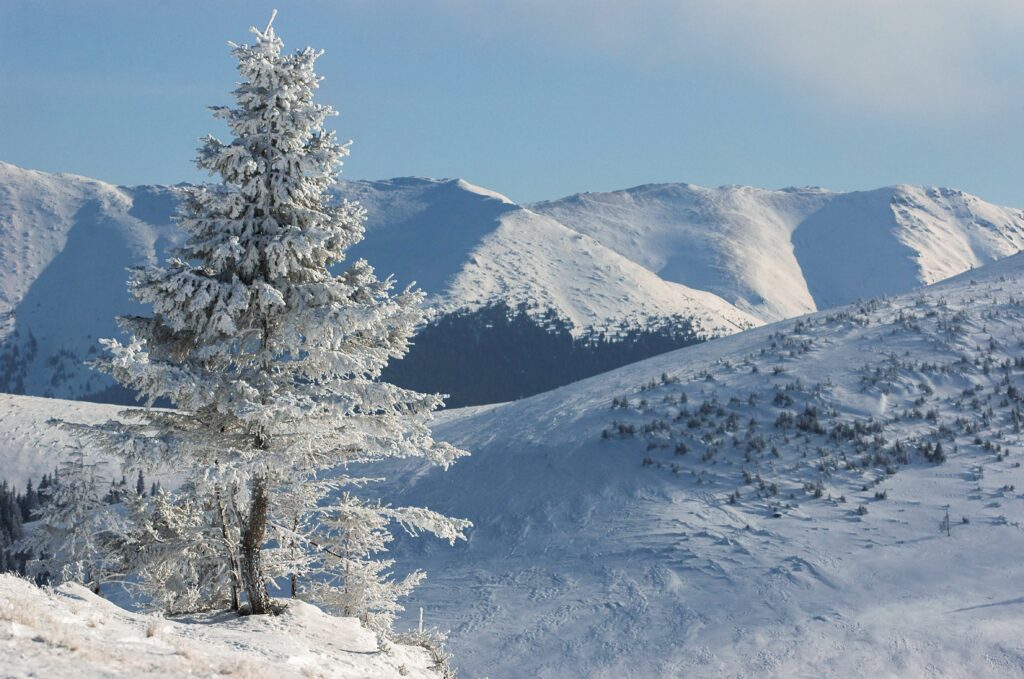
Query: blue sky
[541, 99]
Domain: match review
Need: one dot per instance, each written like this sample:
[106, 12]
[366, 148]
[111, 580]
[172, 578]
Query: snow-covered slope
[767, 504]
[871, 243]
[71, 632]
[43, 215]
[65, 242]
[778, 254]
[30, 445]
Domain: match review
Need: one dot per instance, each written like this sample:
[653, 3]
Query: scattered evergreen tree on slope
[272, 363]
[11, 529]
[71, 528]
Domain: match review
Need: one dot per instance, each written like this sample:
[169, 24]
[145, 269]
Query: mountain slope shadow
[82, 288]
[848, 250]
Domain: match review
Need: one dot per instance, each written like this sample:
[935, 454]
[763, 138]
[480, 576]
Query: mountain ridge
[685, 261]
[764, 250]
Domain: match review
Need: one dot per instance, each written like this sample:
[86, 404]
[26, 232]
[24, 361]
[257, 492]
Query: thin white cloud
[936, 60]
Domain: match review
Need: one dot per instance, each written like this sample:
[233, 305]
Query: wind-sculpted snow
[769, 504]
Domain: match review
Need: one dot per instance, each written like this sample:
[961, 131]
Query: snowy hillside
[30, 445]
[42, 216]
[768, 504]
[72, 632]
[65, 242]
[779, 254]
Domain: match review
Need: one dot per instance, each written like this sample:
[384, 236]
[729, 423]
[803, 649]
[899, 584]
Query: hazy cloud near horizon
[935, 61]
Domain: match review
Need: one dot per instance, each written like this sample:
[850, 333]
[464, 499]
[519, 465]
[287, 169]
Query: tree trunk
[229, 548]
[251, 552]
[294, 576]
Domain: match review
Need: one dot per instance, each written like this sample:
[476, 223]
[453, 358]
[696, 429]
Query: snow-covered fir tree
[272, 363]
[72, 525]
[357, 532]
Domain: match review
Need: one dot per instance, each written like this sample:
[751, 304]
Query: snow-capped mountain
[663, 266]
[832, 496]
[67, 241]
[469, 247]
[778, 254]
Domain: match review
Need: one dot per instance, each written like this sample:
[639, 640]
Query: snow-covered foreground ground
[768, 504]
[71, 632]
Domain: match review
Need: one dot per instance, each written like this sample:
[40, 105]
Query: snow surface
[469, 247]
[587, 561]
[31, 445]
[65, 242]
[71, 632]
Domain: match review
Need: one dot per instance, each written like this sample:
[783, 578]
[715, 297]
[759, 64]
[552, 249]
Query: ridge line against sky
[543, 99]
